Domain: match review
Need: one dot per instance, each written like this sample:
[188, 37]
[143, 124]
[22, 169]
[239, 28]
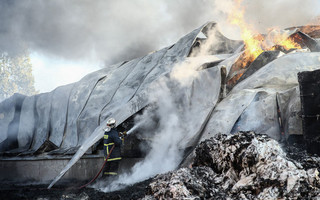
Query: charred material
[237, 70]
[69, 191]
[312, 30]
[263, 59]
[311, 43]
[47, 146]
[310, 108]
[240, 166]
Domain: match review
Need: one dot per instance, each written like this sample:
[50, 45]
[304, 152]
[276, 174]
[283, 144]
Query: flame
[234, 79]
[255, 42]
[289, 44]
[253, 45]
[285, 41]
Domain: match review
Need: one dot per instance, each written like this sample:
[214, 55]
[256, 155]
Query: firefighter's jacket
[112, 138]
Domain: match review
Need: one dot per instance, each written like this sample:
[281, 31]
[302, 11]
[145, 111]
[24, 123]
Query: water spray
[135, 127]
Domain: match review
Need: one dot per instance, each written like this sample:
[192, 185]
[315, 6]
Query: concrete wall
[43, 171]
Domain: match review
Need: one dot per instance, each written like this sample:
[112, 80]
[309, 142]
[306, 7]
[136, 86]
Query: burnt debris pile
[241, 166]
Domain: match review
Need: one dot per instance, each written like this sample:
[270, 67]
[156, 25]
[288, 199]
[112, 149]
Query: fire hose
[105, 162]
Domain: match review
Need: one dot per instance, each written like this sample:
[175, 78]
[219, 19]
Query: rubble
[241, 166]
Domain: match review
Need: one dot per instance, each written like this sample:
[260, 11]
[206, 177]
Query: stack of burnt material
[240, 166]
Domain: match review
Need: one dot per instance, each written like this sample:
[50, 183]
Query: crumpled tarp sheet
[72, 117]
[68, 115]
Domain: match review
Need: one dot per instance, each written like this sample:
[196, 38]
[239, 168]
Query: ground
[295, 151]
[66, 192]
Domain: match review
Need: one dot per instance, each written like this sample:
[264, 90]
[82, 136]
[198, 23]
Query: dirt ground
[67, 192]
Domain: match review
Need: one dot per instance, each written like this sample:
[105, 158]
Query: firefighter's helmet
[111, 122]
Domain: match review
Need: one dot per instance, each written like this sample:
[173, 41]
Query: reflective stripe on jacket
[112, 138]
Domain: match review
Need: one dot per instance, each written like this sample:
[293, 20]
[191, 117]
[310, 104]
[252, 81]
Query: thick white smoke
[170, 122]
[167, 123]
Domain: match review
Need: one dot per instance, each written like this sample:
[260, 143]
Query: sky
[50, 73]
[69, 39]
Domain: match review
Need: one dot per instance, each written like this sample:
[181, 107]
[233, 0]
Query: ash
[68, 191]
[242, 166]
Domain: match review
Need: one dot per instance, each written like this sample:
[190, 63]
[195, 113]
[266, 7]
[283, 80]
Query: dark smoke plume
[113, 31]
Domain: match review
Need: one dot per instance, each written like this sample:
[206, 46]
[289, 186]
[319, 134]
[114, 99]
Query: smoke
[113, 31]
[168, 124]
[121, 30]
[263, 15]
[104, 29]
[171, 123]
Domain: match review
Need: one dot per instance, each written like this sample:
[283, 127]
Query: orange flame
[254, 43]
[289, 44]
[285, 41]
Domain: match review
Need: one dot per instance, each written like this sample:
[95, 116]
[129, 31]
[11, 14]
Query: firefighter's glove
[123, 134]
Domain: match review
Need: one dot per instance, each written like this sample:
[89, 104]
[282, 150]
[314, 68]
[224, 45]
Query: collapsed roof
[221, 95]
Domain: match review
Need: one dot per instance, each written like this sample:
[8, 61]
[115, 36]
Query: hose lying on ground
[105, 162]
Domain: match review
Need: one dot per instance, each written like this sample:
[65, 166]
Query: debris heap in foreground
[240, 166]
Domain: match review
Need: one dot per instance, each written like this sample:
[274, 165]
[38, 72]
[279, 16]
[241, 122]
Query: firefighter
[111, 137]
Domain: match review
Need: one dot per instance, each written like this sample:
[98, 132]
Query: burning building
[169, 100]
